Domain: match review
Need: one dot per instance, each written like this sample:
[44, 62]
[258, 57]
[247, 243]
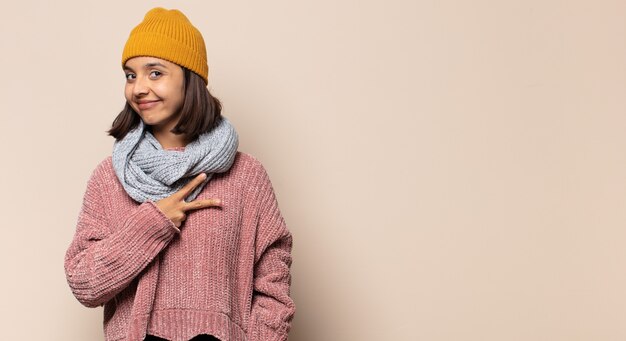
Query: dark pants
[203, 337]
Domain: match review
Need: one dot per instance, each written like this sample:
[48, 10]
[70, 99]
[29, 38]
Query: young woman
[179, 236]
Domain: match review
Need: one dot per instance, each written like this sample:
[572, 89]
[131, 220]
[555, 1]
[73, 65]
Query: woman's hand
[175, 206]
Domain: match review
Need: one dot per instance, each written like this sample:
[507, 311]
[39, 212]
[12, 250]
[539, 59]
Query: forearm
[99, 271]
[272, 307]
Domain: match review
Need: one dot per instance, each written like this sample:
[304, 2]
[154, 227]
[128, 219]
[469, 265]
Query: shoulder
[247, 159]
[245, 166]
[97, 180]
[251, 173]
[248, 164]
[243, 162]
[105, 167]
[103, 172]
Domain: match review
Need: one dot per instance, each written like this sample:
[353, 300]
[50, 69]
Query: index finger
[189, 187]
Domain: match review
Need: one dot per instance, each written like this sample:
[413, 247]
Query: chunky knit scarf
[149, 172]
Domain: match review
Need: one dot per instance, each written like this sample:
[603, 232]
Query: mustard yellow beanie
[169, 35]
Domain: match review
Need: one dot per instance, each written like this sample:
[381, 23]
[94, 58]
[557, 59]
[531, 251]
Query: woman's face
[155, 90]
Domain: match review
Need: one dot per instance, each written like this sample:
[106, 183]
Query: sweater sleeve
[272, 307]
[99, 262]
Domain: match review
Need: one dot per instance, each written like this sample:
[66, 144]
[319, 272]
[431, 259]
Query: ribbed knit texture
[169, 35]
[148, 172]
[225, 272]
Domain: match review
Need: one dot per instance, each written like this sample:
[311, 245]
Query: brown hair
[200, 111]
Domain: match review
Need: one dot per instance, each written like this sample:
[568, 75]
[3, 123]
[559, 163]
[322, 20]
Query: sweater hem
[184, 324]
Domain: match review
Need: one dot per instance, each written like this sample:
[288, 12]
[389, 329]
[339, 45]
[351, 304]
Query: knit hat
[169, 35]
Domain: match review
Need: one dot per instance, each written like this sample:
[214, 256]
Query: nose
[140, 87]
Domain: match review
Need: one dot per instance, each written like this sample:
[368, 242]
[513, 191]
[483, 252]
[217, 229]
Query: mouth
[144, 105]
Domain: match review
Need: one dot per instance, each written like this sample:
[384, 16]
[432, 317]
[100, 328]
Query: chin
[152, 123]
[150, 119]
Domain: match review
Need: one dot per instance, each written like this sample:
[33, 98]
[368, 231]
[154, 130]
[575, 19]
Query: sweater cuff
[163, 217]
[147, 231]
[268, 334]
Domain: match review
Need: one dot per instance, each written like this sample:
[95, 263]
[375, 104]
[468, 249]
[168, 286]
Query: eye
[155, 74]
[130, 76]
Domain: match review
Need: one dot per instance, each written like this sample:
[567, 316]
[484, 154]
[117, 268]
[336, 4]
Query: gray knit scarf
[149, 172]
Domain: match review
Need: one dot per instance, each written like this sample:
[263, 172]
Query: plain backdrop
[450, 170]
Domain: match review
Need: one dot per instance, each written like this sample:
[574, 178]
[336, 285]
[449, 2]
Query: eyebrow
[148, 65]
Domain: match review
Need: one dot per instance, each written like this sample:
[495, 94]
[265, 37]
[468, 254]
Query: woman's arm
[100, 263]
[272, 307]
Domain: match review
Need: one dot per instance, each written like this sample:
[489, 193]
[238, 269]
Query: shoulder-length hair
[200, 111]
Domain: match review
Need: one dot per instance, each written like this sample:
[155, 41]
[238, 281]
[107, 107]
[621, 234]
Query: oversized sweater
[224, 272]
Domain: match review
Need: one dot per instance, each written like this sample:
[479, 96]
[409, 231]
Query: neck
[167, 139]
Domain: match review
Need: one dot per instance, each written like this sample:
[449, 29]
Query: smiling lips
[144, 105]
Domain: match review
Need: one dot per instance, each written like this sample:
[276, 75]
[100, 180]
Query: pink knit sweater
[225, 272]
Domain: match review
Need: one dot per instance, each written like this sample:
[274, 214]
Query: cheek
[181, 97]
[173, 95]
[128, 92]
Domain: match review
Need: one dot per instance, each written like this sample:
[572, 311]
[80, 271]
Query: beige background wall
[450, 170]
